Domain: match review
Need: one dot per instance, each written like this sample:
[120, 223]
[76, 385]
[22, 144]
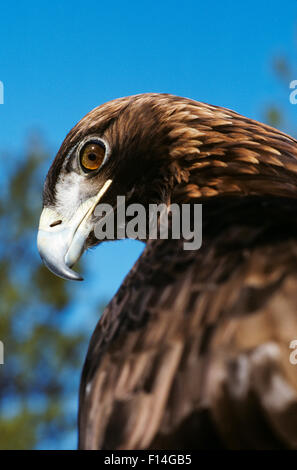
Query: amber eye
[92, 156]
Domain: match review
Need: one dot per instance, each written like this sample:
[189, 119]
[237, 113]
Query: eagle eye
[91, 156]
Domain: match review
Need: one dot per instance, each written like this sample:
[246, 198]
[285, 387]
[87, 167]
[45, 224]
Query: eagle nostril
[57, 222]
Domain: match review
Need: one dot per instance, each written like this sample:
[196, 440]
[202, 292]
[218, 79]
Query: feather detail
[195, 343]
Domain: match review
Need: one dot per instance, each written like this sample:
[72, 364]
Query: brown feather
[193, 351]
[196, 344]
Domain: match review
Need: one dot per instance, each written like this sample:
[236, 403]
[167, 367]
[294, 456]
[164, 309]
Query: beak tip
[61, 269]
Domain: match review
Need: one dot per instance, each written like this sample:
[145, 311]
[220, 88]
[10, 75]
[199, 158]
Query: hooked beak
[61, 241]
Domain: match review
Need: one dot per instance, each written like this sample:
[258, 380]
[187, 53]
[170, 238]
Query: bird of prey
[193, 351]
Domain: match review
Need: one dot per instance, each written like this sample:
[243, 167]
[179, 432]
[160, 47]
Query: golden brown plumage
[193, 351]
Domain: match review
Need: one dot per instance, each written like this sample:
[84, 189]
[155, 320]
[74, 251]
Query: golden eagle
[194, 349]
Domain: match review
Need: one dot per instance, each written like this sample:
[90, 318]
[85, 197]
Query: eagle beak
[61, 241]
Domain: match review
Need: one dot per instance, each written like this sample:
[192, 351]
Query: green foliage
[276, 114]
[273, 116]
[42, 362]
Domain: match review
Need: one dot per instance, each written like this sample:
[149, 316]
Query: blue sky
[60, 59]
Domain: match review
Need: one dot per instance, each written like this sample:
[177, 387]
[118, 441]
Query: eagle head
[154, 148]
[119, 148]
